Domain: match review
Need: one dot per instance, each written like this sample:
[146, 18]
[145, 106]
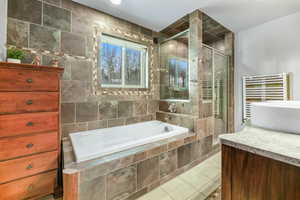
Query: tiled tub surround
[97, 143]
[203, 127]
[184, 117]
[132, 173]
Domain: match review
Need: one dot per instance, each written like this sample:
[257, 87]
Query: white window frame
[132, 45]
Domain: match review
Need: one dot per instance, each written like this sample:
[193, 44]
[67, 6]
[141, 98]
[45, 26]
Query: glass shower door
[220, 93]
[215, 89]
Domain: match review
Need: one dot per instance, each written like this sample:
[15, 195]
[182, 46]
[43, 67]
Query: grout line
[187, 183]
[42, 17]
[28, 42]
[167, 193]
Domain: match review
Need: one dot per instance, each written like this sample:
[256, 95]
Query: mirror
[174, 61]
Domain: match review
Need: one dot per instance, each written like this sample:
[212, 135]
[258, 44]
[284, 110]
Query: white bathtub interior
[92, 144]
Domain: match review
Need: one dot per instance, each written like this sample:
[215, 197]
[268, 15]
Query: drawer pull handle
[30, 187]
[29, 167]
[30, 145]
[29, 124]
[29, 102]
[29, 80]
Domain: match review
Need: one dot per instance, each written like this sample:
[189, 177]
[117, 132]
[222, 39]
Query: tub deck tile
[124, 158]
[147, 172]
[93, 190]
[167, 163]
[121, 183]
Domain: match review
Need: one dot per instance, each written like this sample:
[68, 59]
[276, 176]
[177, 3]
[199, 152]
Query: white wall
[3, 23]
[273, 47]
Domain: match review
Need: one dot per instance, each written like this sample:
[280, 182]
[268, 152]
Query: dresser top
[30, 67]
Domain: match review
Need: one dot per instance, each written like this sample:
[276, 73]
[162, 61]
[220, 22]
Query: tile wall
[64, 27]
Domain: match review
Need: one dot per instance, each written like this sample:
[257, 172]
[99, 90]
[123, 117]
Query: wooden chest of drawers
[29, 130]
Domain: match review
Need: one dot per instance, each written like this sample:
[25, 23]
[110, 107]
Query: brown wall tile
[157, 150]
[54, 2]
[206, 145]
[140, 108]
[67, 112]
[56, 17]
[97, 124]
[86, 111]
[167, 163]
[72, 44]
[137, 194]
[147, 118]
[148, 172]
[26, 10]
[184, 155]
[18, 33]
[116, 122]
[93, 190]
[44, 38]
[47, 60]
[73, 128]
[81, 70]
[195, 151]
[132, 120]
[121, 183]
[108, 110]
[152, 107]
[125, 109]
[73, 91]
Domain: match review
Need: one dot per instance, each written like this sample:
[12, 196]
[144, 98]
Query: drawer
[20, 124]
[22, 102]
[27, 166]
[29, 188]
[13, 147]
[28, 80]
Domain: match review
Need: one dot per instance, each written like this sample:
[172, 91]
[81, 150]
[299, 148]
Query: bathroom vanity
[260, 164]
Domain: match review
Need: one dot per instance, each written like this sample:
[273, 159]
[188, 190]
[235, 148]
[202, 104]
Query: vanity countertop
[279, 146]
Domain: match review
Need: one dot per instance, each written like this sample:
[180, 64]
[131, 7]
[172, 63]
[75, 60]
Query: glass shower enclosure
[215, 87]
[174, 78]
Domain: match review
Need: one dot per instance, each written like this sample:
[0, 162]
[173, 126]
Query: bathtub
[92, 144]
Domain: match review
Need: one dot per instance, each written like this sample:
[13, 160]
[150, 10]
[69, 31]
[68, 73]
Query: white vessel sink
[277, 115]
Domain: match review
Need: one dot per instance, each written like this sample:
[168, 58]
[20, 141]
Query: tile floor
[196, 184]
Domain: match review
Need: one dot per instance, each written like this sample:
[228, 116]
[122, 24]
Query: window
[123, 64]
[178, 74]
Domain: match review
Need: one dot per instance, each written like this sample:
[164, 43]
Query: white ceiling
[236, 15]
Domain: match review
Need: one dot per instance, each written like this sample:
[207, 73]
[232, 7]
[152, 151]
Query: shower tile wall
[64, 26]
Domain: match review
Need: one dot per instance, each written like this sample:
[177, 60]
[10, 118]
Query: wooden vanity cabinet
[247, 176]
[29, 130]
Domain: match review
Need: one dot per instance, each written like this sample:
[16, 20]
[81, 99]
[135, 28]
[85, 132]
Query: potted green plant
[14, 55]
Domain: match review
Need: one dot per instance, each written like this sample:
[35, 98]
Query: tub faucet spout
[172, 108]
